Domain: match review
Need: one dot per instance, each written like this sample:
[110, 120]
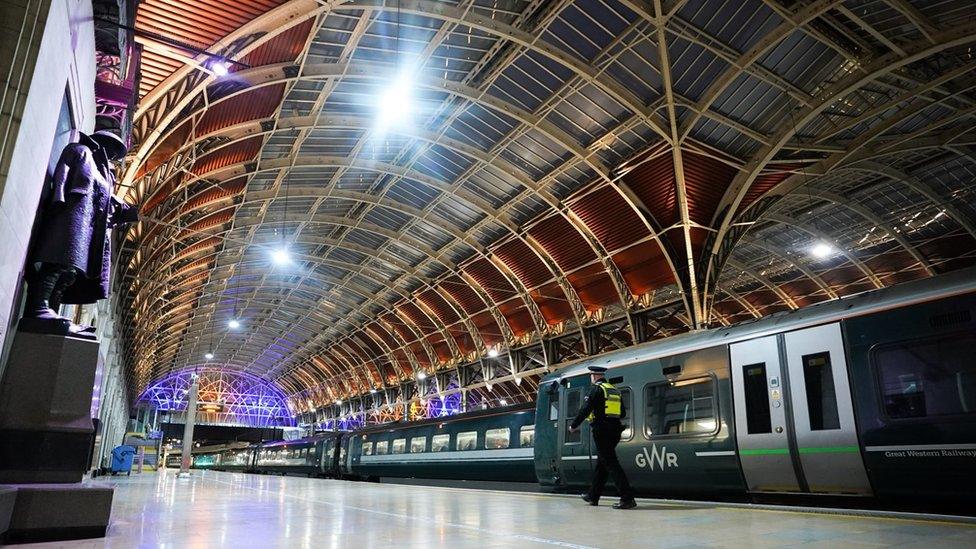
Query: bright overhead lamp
[373, 390]
[421, 375]
[492, 352]
[821, 250]
[338, 401]
[219, 67]
[504, 402]
[234, 324]
[394, 106]
[208, 355]
[280, 256]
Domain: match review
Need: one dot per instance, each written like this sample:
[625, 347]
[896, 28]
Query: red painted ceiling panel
[654, 184]
[490, 279]
[468, 299]
[199, 23]
[594, 287]
[242, 151]
[614, 223]
[523, 262]
[436, 303]
[644, 268]
[706, 181]
[253, 104]
[563, 243]
[552, 303]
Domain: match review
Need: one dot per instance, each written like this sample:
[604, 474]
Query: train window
[527, 436]
[758, 419]
[685, 407]
[467, 441]
[382, 447]
[440, 443]
[821, 396]
[554, 405]
[928, 377]
[399, 446]
[497, 439]
[418, 445]
[367, 448]
[626, 398]
[572, 408]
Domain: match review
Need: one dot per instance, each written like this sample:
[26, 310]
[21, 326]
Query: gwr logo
[661, 459]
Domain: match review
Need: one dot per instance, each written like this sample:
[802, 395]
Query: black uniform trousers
[606, 440]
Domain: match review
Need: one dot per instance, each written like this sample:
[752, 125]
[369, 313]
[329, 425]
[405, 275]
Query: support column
[191, 416]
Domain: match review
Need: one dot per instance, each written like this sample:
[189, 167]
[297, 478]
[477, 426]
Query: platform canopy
[473, 191]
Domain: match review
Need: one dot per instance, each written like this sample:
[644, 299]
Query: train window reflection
[758, 417]
[527, 436]
[818, 378]
[685, 407]
[554, 405]
[382, 448]
[928, 377]
[399, 446]
[418, 445]
[440, 443]
[626, 398]
[467, 441]
[368, 449]
[572, 408]
[497, 439]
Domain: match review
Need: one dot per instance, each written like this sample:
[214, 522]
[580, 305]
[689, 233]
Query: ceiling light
[339, 401]
[504, 402]
[208, 356]
[821, 250]
[395, 104]
[492, 352]
[373, 390]
[233, 324]
[219, 67]
[421, 375]
[280, 256]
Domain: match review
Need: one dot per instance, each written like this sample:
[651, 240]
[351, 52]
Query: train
[869, 399]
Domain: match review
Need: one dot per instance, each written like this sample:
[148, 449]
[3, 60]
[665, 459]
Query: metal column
[191, 414]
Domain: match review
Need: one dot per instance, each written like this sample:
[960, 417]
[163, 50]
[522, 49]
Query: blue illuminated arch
[246, 399]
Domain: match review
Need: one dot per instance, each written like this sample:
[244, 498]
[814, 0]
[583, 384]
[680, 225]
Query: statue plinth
[46, 436]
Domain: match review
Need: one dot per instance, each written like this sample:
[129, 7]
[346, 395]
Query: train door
[574, 447]
[794, 418]
[823, 412]
[761, 425]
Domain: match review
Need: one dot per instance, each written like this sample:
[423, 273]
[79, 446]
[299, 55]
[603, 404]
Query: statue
[71, 259]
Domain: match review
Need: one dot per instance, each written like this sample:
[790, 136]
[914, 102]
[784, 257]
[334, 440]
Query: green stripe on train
[813, 450]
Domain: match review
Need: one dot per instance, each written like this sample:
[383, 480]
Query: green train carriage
[872, 397]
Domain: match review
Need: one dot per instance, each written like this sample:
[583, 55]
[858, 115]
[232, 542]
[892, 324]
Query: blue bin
[122, 459]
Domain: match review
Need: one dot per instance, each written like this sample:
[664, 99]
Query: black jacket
[594, 403]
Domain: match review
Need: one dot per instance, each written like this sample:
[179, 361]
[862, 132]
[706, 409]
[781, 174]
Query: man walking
[604, 409]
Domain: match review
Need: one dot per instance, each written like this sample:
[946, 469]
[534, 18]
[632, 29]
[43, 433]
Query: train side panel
[679, 439]
[915, 384]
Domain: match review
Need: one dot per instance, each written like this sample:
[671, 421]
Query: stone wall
[47, 52]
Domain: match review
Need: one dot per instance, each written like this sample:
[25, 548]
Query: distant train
[868, 398]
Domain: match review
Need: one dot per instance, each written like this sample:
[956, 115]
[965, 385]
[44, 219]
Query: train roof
[304, 440]
[947, 285]
[475, 414]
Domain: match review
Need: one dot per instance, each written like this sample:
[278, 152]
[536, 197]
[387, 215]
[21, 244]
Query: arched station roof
[569, 165]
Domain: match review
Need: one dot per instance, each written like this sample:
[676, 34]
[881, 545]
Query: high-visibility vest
[612, 403]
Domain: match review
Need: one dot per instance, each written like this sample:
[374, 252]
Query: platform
[216, 509]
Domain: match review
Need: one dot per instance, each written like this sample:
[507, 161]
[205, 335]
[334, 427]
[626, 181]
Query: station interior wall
[47, 52]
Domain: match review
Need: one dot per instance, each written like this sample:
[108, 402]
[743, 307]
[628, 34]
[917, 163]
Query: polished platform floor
[215, 509]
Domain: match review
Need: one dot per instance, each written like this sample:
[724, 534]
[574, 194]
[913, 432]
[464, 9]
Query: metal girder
[866, 213]
[828, 239]
[959, 35]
